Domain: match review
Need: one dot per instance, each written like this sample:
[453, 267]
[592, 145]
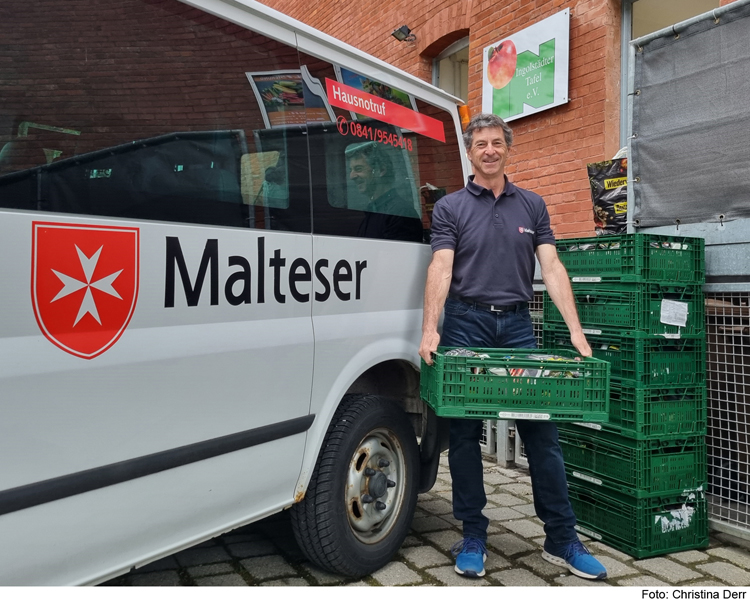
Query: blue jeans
[466, 325]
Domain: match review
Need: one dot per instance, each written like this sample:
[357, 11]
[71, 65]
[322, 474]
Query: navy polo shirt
[494, 241]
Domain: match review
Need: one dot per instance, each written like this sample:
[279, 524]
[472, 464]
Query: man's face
[362, 174]
[488, 153]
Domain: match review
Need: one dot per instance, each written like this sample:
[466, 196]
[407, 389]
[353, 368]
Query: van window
[201, 131]
[374, 179]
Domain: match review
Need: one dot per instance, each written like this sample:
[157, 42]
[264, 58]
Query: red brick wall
[551, 148]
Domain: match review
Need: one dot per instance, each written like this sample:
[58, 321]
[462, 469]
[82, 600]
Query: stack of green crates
[638, 482]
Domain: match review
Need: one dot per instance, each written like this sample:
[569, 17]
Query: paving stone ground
[266, 554]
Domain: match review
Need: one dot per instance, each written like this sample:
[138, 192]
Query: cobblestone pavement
[265, 553]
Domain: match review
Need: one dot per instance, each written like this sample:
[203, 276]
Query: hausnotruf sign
[349, 98]
[528, 71]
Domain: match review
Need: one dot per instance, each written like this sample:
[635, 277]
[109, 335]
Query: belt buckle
[494, 308]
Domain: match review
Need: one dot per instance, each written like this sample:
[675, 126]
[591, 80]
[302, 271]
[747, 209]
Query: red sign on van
[84, 284]
[352, 99]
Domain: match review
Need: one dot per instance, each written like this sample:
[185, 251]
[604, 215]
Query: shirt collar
[476, 189]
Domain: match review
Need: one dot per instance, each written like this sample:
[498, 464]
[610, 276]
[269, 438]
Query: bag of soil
[609, 192]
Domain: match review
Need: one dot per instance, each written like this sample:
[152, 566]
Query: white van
[214, 227]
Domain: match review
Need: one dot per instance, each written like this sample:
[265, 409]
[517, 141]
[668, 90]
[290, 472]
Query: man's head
[487, 140]
[370, 169]
[487, 120]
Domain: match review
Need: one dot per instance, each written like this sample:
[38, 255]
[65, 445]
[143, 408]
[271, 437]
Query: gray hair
[487, 120]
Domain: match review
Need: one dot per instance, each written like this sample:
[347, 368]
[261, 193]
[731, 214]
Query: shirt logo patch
[84, 284]
[522, 229]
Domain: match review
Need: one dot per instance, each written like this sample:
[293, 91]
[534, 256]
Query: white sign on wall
[527, 72]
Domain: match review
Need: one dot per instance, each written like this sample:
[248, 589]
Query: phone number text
[378, 135]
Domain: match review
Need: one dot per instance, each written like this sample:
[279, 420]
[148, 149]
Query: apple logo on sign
[501, 64]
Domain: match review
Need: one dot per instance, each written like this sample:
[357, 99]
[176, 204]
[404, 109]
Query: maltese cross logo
[84, 284]
[88, 305]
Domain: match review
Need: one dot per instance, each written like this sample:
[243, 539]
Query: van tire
[334, 527]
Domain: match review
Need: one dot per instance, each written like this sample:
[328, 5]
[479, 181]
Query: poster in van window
[359, 82]
[286, 100]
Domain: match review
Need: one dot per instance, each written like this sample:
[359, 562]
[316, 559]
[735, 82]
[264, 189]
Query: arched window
[450, 69]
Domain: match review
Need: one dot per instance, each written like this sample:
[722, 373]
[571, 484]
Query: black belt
[513, 307]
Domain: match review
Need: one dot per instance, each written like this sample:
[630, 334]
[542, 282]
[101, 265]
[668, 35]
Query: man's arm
[555, 279]
[439, 275]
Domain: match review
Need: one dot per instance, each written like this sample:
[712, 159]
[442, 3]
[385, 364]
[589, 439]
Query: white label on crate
[671, 336]
[590, 425]
[531, 416]
[587, 279]
[588, 478]
[674, 520]
[592, 331]
[588, 532]
[674, 312]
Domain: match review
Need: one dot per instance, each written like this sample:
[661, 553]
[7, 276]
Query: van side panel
[177, 378]
[386, 325]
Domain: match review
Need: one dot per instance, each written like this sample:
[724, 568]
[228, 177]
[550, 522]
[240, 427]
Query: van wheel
[361, 498]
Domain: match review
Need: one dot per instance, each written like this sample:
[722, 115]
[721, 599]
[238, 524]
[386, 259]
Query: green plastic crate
[662, 466]
[464, 387]
[648, 412]
[634, 258]
[641, 527]
[638, 359]
[634, 307]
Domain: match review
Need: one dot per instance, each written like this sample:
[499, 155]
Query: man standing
[484, 238]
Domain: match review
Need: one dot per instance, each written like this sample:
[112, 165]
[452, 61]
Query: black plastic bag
[609, 192]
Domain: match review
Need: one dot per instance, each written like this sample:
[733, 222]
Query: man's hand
[581, 344]
[429, 345]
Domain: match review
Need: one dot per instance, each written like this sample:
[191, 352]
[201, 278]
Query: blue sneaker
[576, 558]
[470, 556]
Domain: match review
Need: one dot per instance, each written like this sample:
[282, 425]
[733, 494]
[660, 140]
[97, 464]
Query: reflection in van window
[264, 180]
[387, 214]
[371, 178]
[279, 188]
[175, 140]
[185, 177]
